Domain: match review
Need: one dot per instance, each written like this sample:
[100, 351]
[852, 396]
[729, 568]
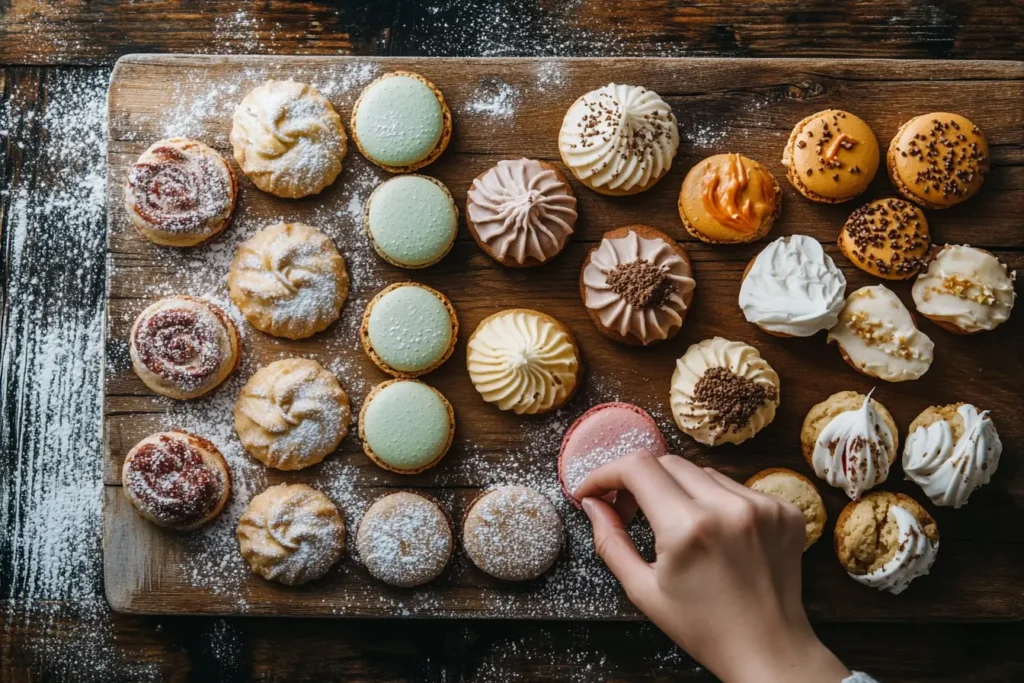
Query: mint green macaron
[411, 221]
[406, 426]
[401, 122]
[409, 329]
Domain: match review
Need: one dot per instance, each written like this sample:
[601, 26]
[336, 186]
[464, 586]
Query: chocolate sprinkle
[641, 283]
[734, 399]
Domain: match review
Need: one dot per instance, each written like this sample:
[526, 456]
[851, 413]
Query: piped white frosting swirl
[966, 287]
[915, 555]
[619, 137]
[522, 361]
[522, 210]
[793, 288]
[852, 451]
[614, 311]
[950, 471]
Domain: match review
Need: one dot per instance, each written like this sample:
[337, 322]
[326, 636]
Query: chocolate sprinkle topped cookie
[887, 238]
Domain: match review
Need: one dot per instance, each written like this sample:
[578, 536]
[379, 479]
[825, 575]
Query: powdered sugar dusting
[494, 98]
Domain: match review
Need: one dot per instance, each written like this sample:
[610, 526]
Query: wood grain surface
[977, 576]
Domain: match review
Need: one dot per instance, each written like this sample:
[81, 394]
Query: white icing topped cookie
[620, 138]
[852, 451]
[915, 555]
[965, 287]
[877, 334]
[523, 361]
[950, 470]
[793, 288]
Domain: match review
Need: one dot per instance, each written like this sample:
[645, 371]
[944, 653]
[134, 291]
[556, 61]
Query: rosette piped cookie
[524, 361]
[877, 337]
[723, 392]
[887, 238]
[521, 212]
[831, 156]
[288, 139]
[886, 540]
[401, 122]
[291, 414]
[183, 347]
[793, 288]
[619, 139]
[405, 539]
[938, 160]
[291, 534]
[180, 193]
[965, 290]
[637, 285]
[288, 280]
[951, 451]
[728, 198]
[512, 533]
[850, 440]
[793, 487]
[176, 480]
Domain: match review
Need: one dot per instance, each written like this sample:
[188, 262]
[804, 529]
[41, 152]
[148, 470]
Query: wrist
[786, 655]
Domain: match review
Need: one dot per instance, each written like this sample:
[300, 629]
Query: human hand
[725, 585]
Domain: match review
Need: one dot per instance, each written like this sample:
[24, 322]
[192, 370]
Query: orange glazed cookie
[831, 156]
[887, 238]
[729, 198]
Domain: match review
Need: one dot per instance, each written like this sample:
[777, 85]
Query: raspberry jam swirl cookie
[176, 480]
[965, 290]
[619, 139]
[291, 534]
[850, 440]
[723, 392]
[288, 139]
[952, 451]
[183, 347]
[521, 212]
[180, 193]
[288, 280]
[405, 539]
[637, 285]
[291, 414]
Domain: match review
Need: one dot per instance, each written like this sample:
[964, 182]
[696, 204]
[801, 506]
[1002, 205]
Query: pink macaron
[602, 434]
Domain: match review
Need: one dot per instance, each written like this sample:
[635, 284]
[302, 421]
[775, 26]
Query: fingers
[616, 548]
[730, 484]
[626, 507]
[691, 478]
[654, 489]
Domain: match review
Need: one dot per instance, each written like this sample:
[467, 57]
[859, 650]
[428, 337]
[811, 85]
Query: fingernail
[588, 506]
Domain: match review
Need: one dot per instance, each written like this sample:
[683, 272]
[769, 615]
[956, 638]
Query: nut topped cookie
[965, 290]
[637, 285]
[723, 392]
[728, 198]
[877, 337]
[831, 156]
[887, 238]
[938, 160]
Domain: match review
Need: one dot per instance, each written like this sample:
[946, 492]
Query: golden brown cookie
[831, 156]
[938, 160]
[887, 238]
[793, 487]
[729, 198]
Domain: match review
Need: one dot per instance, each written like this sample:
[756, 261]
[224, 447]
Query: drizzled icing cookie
[850, 440]
[723, 392]
[729, 198]
[619, 139]
[965, 290]
[793, 288]
[877, 336]
[521, 212]
[951, 451]
[523, 361]
[637, 285]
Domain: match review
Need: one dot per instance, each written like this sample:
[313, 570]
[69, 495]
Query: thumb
[616, 548]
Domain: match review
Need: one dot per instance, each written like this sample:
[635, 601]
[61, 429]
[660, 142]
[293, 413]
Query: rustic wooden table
[55, 59]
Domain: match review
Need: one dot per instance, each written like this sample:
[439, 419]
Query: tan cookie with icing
[831, 156]
[637, 285]
[876, 336]
[521, 212]
[288, 139]
[965, 290]
[524, 361]
[729, 198]
[723, 392]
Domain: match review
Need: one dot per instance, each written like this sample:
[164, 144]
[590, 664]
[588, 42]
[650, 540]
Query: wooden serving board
[513, 107]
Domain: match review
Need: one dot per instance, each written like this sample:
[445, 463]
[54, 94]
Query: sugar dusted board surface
[512, 107]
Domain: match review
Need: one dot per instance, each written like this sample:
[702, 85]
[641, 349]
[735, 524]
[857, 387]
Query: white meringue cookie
[914, 556]
[852, 451]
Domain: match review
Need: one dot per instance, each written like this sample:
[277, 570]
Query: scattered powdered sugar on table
[550, 75]
[494, 98]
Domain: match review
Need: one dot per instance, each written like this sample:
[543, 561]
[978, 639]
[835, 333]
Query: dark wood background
[61, 40]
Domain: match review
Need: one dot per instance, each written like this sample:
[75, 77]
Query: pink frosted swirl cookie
[176, 480]
[183, 347]
[180, 193]
[521, 212]
[602, 434]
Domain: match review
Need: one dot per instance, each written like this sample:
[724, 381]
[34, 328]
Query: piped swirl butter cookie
[637, 285]
[728, 198]
[965, 290]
